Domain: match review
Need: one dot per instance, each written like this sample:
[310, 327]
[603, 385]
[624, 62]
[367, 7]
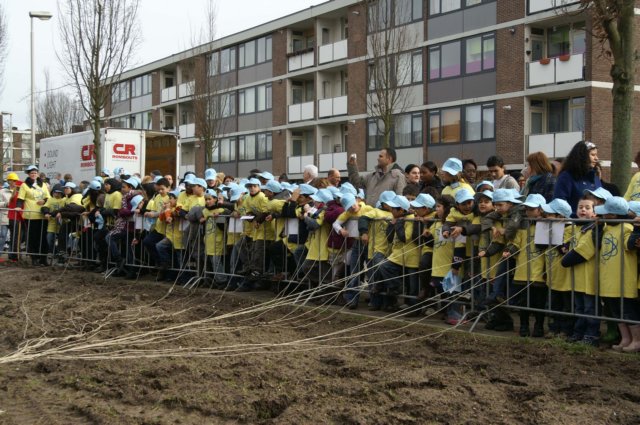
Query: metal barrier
[234, 253]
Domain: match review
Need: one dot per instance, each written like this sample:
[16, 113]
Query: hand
[135, 242]
[47, 216]
[148, 214]
[496, 233]
[482, 253]
[235, 214]
[59, 216]
[202, 219]
[40, 202]
[169, 219]
[352, 160]
[506, 254]
[268, 218]
[445, 234]
[365, 238]
[344, 233]
[456, 231]
[426, 233]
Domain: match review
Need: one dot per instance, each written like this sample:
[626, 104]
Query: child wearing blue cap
[214, 230]
[457, 224]
[451, 176]
[424, 209]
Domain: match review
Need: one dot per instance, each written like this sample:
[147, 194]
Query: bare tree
[389, 63]
[613, 26]
[56, 111]
[99, 38]
[211, 104]
[4, 45]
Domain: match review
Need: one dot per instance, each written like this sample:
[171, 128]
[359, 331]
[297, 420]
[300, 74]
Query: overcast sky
[167, 26]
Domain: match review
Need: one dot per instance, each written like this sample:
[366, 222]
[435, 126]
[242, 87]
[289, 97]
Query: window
[227, 60]
[122, 122]
[406, 11]
[120, 92]
[437, 7]
[255, 51]
[407, 131]
[577, 114]
[558, 41]
[225, 105]
[141, 86]
[254, 99]
[264, 146]
[264, 97]
[247, 147]
[471, 123]
[379, 15]
[224, 150]
[247, 100]
[375, 134]
[302, 143]
[409, 68]
[479, 54]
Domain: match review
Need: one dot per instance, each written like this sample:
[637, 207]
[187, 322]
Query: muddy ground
[122, 352]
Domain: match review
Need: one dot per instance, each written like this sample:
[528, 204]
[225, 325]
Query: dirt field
[118, 352]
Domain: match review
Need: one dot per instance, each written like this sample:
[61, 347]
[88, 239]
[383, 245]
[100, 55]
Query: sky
[166, 25]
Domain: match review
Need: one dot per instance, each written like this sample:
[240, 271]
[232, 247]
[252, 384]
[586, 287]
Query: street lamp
[43, 16]
[10, 140]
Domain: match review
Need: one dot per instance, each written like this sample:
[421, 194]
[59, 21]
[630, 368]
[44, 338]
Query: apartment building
[476, 78]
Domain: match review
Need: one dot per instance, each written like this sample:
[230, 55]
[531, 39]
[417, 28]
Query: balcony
[301, 60]
[295, 164]
[327, 161]
[554, 144]
[556, 70]
[333, 52]
[332, 107]
[301, 112]
[168, 94]
[536, 6]
[187, 130]
[186, 89]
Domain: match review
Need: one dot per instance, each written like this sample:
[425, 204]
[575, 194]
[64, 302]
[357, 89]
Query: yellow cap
[13, 176]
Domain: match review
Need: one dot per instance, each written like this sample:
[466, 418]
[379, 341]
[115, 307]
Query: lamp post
[43, 16]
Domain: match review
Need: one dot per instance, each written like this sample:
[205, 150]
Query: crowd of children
[481, 250]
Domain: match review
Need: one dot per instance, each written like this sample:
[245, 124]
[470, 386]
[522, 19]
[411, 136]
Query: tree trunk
[97, 146]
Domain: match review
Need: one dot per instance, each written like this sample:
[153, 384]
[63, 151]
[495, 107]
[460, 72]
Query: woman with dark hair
[578, 173]
[412, 173]
[469, 171]
[430, 182]
[541, 179]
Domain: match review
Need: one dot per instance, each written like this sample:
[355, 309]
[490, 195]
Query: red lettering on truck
[124, 149]
[87, 153]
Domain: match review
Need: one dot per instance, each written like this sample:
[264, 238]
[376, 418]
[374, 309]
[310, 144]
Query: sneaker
[590, 341]
[574, 338]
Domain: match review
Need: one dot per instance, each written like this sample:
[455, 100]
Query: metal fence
[233, 253]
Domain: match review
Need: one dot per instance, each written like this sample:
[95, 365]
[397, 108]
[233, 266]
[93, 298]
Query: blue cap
[175, 193]
[306, 189]
[361, 194]
[505, 195]
[385, 197]
[562, 207]
[156, 179]
[347, 187]
[614, 205]
[55, 189]
[119, 171]
[71, 185]
[210, 174]
[200, 182]
[266, 175]
[463, 195]
[98, 179]
[600, 193]
[132, 181]
[31, 168]
[210, 192]
[452, 166]
[135, 201]
[107, 172]
[235, 194]
[485, 183]
[86, 189]
[486, 194]
[634, 207]
[253, 181]
[272, 186]
[243, 182]
[424, 200]
[323, 196]
[399, 202]
[335, 192]
[95, 185]
[535, 200]
[190, 179]
[347, 201]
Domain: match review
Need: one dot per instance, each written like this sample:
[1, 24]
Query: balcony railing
[556, 70]
[327, 161]
[168, 94]
[295, 164]
[333, 106]
[333, 52]
[187, 130]
[302, 60]
[301, 111]
[554, 144]
[186, 89]
[536, 6]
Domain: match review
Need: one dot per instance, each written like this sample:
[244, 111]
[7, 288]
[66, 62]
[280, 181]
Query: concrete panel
[480, 152]
[479, 85]
[120, 108]
[442, 26]
[409, 156]
[245, 166]
[141, 103]
[228, 168]
[255, 73]
[445, 91]
[255, 121]
[480, 16]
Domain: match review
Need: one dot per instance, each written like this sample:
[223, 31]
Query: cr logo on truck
[122, 149]
[87, 153]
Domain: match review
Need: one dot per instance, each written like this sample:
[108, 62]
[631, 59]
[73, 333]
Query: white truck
[137, 151]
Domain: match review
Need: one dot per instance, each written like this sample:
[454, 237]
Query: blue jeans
[358, 251]
[585, 327]
[150, 242]
[4, 232]
[51, 241]
[166, 254]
